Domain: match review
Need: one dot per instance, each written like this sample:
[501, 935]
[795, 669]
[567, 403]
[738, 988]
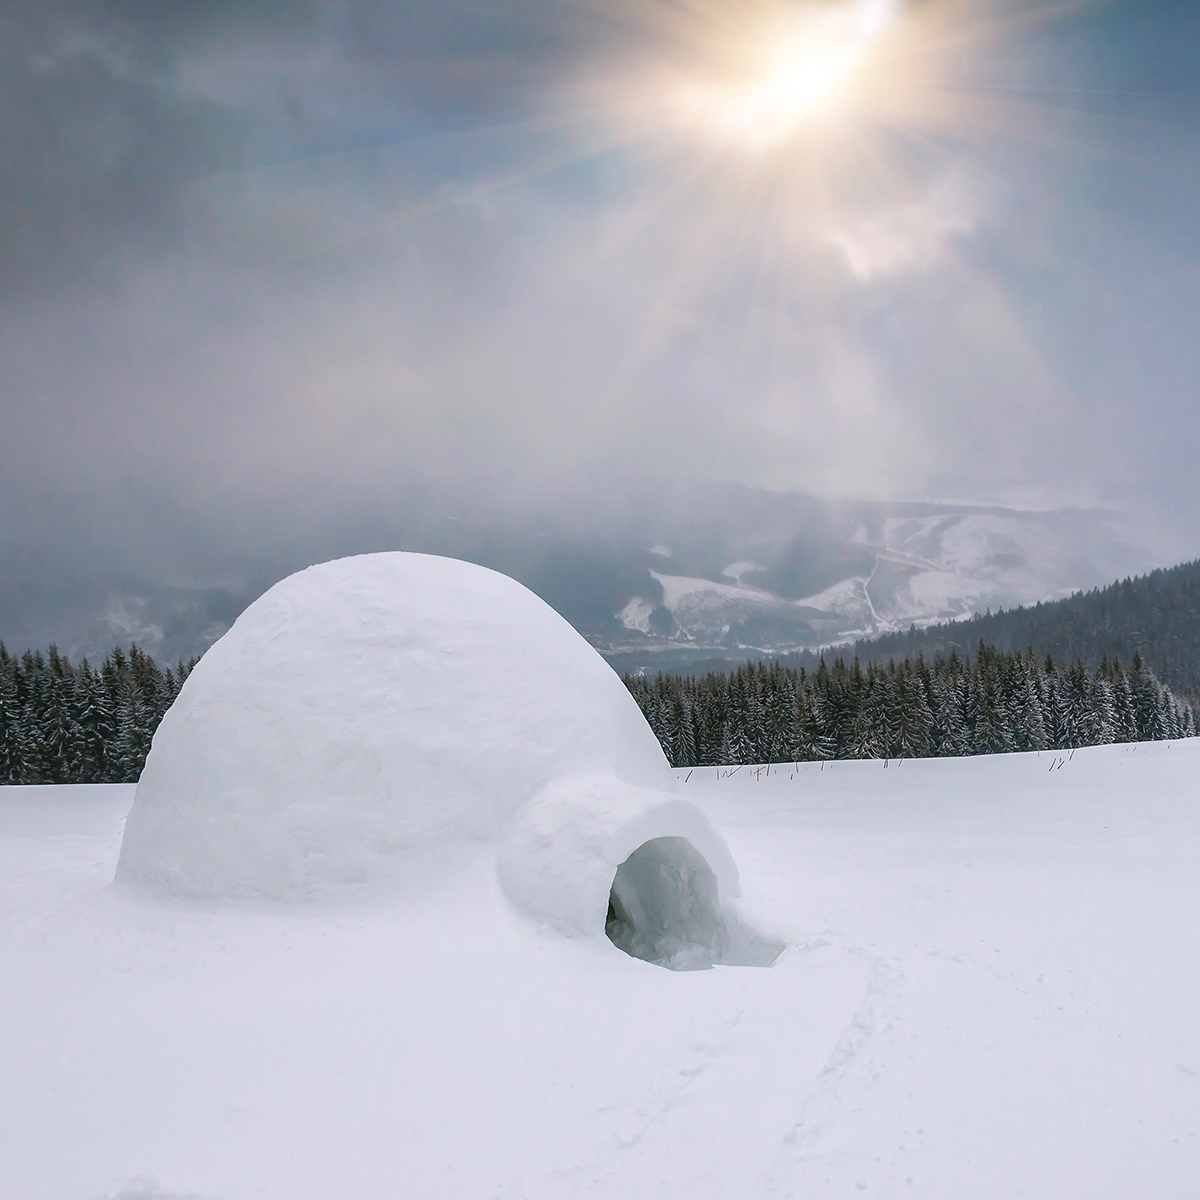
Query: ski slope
[990, 990]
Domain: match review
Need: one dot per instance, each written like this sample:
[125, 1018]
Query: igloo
[367, 710]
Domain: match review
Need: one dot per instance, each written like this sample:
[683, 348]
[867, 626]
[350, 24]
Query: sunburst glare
[810, 123]
[775, 155]
[794, 68]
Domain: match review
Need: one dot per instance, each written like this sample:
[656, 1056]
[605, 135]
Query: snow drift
[366, 710]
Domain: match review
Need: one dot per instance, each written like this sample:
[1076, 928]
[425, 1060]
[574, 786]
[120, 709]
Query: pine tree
[843, 698]
[1147, 702]
[135, 729]
[1103, 727]
[94, 720]
[685, 738]
[1078, 716]
[948, 735]
[990, 733]
[1124, 715]
[10, 721]
[824, 727]
[913, 728]
[740, 747]
[755, 719]
[711, 700]
[1031, 731]
[59, 733]
[778, 705]
[1172, 717]
[870, 733]
[802, 739]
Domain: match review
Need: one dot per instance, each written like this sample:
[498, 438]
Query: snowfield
[990, 990]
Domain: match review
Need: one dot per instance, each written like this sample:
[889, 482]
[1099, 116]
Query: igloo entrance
[665, 908]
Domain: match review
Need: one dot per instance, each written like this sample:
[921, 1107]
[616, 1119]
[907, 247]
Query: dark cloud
[124, 125]
[97, 145]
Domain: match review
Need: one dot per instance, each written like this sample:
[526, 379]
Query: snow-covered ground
[991, 991]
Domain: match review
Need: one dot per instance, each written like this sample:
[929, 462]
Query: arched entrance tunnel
[665, 908]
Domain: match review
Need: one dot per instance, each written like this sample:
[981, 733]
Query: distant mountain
[661, 575]
[795, 578]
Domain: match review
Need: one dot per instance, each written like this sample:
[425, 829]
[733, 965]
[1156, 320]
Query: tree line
[992, 703]
[1155, 616]
[65, 723]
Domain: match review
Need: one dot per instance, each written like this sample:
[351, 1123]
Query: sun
[807, 69]
[796, 69]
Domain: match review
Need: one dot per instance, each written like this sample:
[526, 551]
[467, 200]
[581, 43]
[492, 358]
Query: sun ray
[767, 156]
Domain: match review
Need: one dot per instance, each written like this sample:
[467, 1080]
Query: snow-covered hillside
[891, 569]
[989, 991]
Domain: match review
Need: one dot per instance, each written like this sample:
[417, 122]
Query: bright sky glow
[795, 70]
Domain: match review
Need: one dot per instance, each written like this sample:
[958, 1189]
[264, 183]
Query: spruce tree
[135, 729]
[10, 721]
[1031, 734]
[913, 726]
[94, 719]
[1054, 708]
[685, 738]
[59, 733]
[1147, 704]
[1104, 728]
[990, 733]
[869, 738]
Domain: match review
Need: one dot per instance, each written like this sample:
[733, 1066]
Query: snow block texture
[367, 709]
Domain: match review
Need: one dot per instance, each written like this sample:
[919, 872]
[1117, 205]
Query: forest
[1155, 617]
[64, 723]
[992, 703]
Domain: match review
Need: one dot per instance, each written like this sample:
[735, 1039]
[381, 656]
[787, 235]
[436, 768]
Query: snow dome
[366, 710]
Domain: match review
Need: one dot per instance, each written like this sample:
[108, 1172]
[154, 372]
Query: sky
[281, 278]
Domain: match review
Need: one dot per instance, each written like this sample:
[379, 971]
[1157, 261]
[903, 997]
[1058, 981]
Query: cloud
[96, 144]
[909, 236]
